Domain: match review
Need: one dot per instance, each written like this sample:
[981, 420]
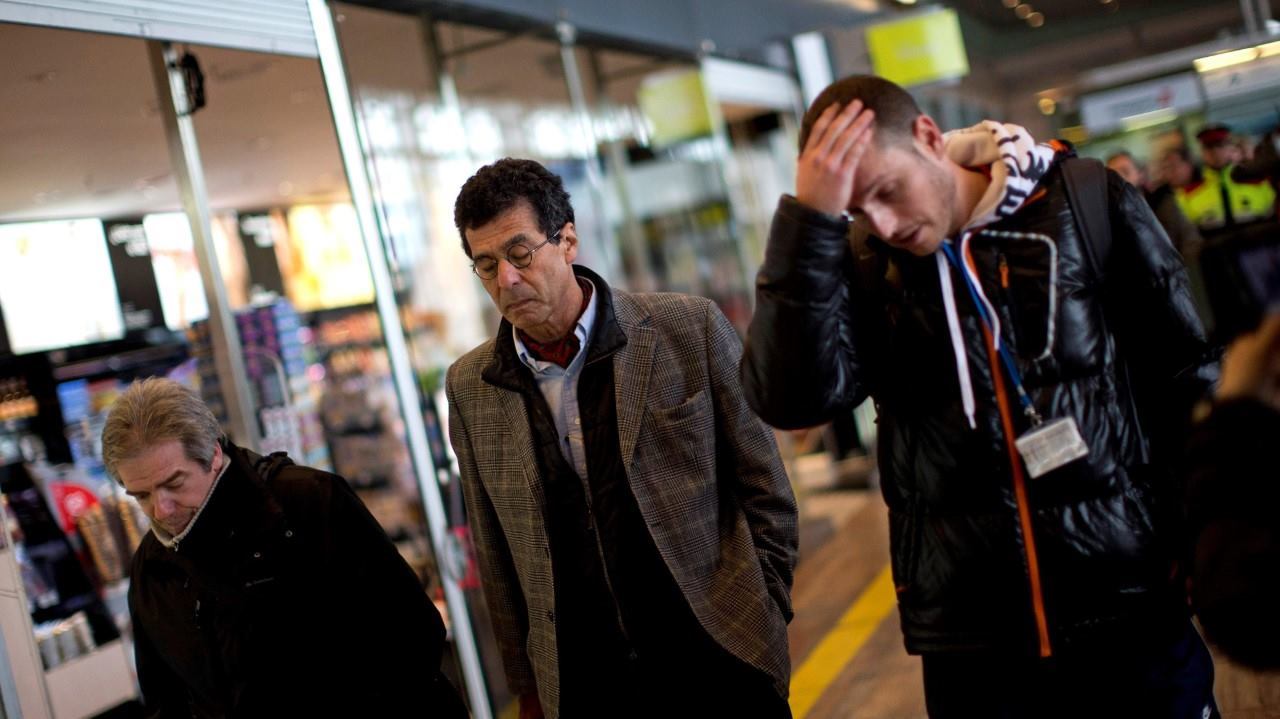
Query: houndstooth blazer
[688, 441]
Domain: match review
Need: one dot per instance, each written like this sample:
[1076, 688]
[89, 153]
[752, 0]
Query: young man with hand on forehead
[994, 296]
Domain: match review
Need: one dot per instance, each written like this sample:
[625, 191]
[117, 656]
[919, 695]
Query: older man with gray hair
[263, 588]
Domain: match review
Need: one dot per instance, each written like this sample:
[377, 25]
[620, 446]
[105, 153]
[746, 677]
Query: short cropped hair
[896, 111]
[496, 188]
[1119, 154]
[152, 411]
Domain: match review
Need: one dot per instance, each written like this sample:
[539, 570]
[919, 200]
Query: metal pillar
[349, 143]
[567, 35]
[184, 153]
[1250, 12]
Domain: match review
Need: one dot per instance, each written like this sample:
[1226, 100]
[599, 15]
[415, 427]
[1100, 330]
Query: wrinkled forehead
[515, 225]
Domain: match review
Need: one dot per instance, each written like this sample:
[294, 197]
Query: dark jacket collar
[507, 371]
[240, 509]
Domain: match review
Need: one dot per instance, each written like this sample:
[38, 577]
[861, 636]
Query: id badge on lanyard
[1048, 445]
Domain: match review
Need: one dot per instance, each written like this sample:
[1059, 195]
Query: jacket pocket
[692, 406]
[1023, 270]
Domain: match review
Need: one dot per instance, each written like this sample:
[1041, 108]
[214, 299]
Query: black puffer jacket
[286, 599]
[834, 325]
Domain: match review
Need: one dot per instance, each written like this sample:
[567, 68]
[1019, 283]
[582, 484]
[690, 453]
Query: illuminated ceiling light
[1011, 4]
[1023, 11]
[1226, 59]
[1035, 19]
[1047, 106]
[1144, 120]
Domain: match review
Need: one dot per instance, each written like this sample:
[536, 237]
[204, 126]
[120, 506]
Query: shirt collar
[582, 329]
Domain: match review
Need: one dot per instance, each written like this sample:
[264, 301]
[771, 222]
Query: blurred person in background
[1032, 513]
[263, 588]
[1175, 168]
[635, 528]
[1227, 199]
[1164, 204]
[1233, 503]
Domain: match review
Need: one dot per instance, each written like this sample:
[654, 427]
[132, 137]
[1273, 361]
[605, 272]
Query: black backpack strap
[1086, 183]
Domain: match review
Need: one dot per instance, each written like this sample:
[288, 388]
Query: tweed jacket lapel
[631, 370]
[510, 379]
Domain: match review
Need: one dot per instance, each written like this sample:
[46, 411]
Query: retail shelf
[91, 684]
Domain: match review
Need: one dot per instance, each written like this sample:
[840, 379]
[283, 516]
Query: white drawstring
[977, 286]
[957, 340]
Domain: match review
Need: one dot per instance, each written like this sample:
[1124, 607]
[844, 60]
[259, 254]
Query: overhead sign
[677, 106]
[1166, 97]
[922, 48]
[1243, 79]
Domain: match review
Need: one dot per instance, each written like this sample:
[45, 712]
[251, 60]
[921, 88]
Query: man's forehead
[878, 167]
[517, 224]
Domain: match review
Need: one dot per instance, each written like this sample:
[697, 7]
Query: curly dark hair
[496, 188]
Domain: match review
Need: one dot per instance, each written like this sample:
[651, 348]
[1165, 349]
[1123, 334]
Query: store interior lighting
[1237, 57]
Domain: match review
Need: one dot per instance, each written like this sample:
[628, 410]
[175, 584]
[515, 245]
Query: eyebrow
[870, 191]
[516, 239]
[177, 474]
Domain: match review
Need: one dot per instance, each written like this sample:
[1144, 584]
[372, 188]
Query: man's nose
[164, 507]
[882, 222]
[508, 274]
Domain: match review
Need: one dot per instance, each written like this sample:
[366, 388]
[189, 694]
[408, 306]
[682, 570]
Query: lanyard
[1011, 366]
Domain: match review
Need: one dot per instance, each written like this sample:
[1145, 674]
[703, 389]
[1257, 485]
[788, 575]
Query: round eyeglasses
[519, 255]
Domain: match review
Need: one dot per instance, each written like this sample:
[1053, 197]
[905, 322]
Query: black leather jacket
[841, 318]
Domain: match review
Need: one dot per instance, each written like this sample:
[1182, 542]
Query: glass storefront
[102, 284]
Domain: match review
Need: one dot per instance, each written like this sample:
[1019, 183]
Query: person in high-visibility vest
[1224, 196]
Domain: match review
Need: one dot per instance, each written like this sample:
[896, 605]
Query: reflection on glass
[173, 256]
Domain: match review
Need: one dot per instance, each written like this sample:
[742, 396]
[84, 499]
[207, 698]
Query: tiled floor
[839, 560]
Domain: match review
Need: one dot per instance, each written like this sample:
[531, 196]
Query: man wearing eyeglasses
[635, 528]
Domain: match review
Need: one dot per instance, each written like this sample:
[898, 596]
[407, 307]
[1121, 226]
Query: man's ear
[569, 238]
[928, 137]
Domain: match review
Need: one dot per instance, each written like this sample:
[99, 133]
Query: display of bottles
[15, 401]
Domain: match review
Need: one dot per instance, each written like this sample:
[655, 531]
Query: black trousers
[1169, 679]
[670, 688]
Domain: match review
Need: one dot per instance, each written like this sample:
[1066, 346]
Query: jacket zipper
[604, 564]
[1019, 481]
[1010, 317]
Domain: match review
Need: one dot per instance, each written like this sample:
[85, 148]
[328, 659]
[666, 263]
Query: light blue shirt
[559, 386]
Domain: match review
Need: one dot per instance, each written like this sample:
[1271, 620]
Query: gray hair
[154, 410]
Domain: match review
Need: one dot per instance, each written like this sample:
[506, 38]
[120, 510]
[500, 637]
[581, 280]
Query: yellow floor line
[841, 644]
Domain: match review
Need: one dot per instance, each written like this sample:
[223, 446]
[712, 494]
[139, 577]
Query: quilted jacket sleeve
[801, 363]
[1171, 362]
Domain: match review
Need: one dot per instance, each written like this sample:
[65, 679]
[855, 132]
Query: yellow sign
[922, 48]
[677, 105]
